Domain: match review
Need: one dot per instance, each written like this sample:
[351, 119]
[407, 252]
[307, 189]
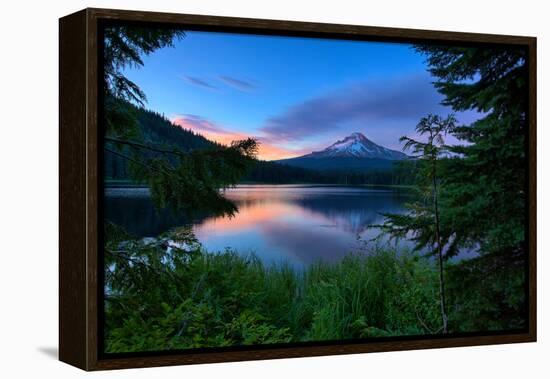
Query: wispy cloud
[399, 100]
[214, 132]
[382, 109]
[240, 84]
[198, 124]
[198, 82]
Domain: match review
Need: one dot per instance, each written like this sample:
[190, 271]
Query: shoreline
[127, 184]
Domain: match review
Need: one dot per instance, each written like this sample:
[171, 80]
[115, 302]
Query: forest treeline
[157, 130]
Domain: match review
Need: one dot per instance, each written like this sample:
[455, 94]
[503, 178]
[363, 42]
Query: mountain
[359, 146]
[353, 153]
[159, 131]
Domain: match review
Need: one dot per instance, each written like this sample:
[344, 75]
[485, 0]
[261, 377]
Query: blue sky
[295, 95]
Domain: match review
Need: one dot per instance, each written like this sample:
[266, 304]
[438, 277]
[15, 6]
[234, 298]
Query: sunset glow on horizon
[266, 151]
[293, 95]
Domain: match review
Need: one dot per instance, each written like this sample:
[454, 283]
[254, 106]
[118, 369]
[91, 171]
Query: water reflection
[298, 224]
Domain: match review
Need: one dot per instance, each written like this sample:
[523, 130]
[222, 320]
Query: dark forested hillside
[352, 164]
[401, 173]
[157, 130]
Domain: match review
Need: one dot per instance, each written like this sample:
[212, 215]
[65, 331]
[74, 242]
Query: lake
[298, 224]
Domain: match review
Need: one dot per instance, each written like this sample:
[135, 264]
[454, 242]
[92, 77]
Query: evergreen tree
[124, 47]
[183, 179]
[486, 198]
[423, 218]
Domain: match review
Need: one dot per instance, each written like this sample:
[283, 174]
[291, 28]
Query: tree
[486, 200]
[124, 47]
[423, 219]
[182, 179]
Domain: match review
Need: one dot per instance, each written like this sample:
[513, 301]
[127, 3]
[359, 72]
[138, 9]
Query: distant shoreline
[123, 184]
[130, 184]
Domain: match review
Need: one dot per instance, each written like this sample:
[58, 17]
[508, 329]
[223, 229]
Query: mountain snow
[357, 145]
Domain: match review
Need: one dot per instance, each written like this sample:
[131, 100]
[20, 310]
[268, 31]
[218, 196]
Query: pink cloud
[268, 150]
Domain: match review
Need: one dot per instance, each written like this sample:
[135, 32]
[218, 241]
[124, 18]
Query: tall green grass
[199, 299]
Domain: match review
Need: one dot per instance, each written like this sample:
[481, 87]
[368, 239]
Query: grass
[181, 298]
[200, 299]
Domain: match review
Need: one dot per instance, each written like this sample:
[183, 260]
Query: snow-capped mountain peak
[357, 145]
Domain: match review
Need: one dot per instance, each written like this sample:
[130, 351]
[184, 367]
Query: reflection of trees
[139, 216]
[352, 212]
[307, 245]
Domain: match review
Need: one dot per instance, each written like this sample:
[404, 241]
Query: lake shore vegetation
[169, 293]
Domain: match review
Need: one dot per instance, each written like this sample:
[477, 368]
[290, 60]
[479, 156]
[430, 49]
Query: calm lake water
[299, 224]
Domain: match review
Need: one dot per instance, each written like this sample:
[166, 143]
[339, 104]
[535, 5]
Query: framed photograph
[238, 189]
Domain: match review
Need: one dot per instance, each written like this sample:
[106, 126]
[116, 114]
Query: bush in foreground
[169, 293]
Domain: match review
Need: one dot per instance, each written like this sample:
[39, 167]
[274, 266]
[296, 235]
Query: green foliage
[193, 180]
[154, 131]
[478, 191]
[423, 219]
[376, 290]
[121, 117]
[498, 282]
[125, 46]
[184, 179]
[485, 200]
[168, 293]
[400, 173]
[421, 223]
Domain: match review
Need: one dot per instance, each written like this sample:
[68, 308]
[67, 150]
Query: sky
[294, 95]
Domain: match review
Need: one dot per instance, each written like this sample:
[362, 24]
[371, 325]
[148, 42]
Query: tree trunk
[439, 255]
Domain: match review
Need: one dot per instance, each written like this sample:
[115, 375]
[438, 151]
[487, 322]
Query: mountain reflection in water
[299, 224]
